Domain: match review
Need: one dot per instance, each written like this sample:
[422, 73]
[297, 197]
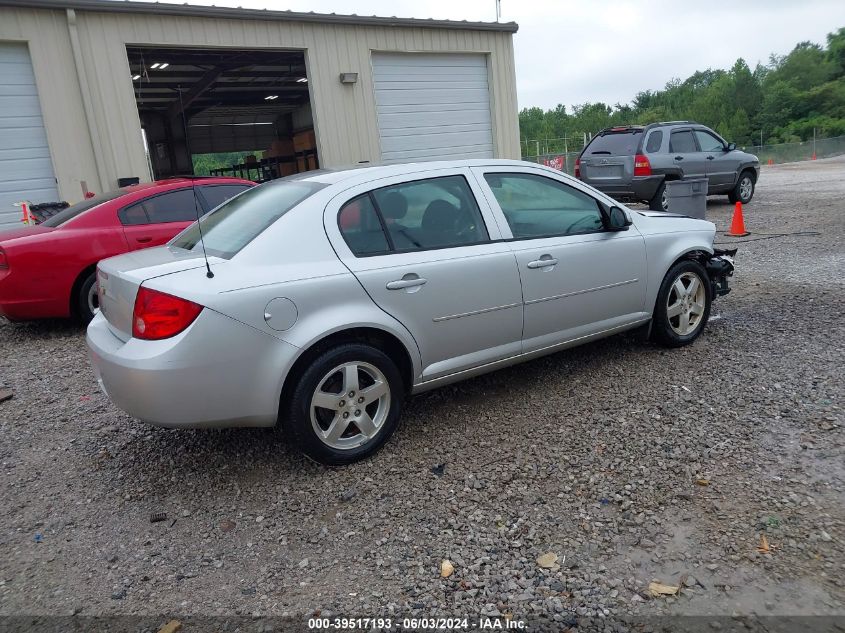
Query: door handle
[679, 158]
[407, 281]
[544, 262]
[710, 158]
[143, 240]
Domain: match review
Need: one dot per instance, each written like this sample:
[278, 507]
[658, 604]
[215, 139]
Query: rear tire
[87, 299]
[683, 305]
[744, 189]
[345, 405]
[659, 201]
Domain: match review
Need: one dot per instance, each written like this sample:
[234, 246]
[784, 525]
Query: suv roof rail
[674, 122]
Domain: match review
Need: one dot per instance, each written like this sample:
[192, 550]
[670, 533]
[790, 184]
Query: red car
[48, 270]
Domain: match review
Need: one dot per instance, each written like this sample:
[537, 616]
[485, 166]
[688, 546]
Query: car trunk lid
[609, 158]
[120, 277]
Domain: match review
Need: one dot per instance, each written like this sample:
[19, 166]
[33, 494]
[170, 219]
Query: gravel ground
[629, 462]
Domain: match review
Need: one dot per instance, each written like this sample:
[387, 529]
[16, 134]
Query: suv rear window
[623, 143]
[235, 223]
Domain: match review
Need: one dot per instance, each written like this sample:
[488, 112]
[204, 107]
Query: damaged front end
[720, 266]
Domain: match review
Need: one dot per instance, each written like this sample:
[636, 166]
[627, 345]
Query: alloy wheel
[685, 303]
[745, 188]
[93, 299]
[350, 405]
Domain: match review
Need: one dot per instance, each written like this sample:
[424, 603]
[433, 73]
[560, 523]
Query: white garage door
[26, 171]
[432, 106]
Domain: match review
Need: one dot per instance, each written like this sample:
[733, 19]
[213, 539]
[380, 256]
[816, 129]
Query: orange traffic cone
[771, 161]
[737, 223]
[814, 156]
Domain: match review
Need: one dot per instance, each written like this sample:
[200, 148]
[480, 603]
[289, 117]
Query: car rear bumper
[217, 373]
[635, 190]
[22, 299]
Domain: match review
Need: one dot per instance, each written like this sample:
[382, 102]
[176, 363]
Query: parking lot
[629, 462]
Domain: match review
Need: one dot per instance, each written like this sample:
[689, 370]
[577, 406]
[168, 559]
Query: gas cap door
[281, 314]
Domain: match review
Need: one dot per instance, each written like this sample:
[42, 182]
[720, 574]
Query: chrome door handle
[543, 262]
[412, 282]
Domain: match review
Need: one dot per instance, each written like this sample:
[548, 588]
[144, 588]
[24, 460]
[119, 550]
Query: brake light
[578, 167]
[641, 166]
[4, 263]
[158, 315]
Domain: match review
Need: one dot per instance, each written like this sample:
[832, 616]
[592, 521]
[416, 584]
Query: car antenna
[208, 272]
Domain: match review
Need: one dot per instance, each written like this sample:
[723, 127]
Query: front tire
[345, 405]
[744, 189]
[683, 305]
[87, 299]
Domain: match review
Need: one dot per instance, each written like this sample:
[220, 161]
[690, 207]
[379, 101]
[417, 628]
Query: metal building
[80, 79]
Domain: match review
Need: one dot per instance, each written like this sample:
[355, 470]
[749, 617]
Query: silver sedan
[320, 301]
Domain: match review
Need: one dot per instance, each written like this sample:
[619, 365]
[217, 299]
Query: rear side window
[615, 143]
[655, 140]
[536, 206]
[230, 227]
[361, 228]
[682, 142]
[215, 195]
[174, 206]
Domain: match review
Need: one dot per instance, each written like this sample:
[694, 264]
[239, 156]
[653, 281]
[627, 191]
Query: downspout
[88, 106]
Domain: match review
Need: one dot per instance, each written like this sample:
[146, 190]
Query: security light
[271, 97]
[163, 65]
[156, 65]
[348, 78]
[136, 77]
[302, 80]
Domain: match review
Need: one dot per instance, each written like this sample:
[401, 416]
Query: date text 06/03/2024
[416, 624]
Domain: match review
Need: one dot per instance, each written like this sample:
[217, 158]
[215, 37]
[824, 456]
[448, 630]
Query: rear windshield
[235, 223]
[80, 207]
[615, 143]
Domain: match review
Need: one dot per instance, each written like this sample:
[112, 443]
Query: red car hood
[22, 231]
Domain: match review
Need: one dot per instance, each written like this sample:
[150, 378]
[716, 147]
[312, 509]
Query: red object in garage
[48, 270]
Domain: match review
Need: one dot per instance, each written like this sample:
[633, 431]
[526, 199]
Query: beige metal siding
[344, 115]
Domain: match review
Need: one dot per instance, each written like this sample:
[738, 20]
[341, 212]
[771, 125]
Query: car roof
[198, 180]
[367, 172]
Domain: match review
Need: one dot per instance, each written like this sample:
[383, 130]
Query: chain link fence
[768, 154]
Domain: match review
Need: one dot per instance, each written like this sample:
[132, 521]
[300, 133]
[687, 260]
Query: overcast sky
[578, 51]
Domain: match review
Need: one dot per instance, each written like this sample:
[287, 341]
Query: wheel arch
[377, 337]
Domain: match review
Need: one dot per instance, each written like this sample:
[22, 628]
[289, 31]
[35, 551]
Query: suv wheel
[683, 304]
[744, 189]
[659, 202]
[346, 404]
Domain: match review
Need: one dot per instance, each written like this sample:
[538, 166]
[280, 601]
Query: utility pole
[537, 144]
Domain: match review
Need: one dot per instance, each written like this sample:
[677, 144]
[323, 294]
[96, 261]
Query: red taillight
[577, 167]
[158, 315]
[641, 166]
[4, 263]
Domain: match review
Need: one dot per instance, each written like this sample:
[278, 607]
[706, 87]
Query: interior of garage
[194, 101]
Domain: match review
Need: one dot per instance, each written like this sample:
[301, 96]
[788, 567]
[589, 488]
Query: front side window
[431, 213]
[536, 206]
[682, 142]
[174, 206]
[230, 227]
[707, 142]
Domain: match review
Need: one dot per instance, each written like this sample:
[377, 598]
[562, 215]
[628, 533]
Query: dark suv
[632, 163]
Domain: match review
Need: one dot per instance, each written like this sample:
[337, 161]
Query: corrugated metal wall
[344, 115]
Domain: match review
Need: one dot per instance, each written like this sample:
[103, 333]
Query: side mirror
[617, 220]
[731, 147]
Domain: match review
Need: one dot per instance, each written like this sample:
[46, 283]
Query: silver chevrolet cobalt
[320, 301]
